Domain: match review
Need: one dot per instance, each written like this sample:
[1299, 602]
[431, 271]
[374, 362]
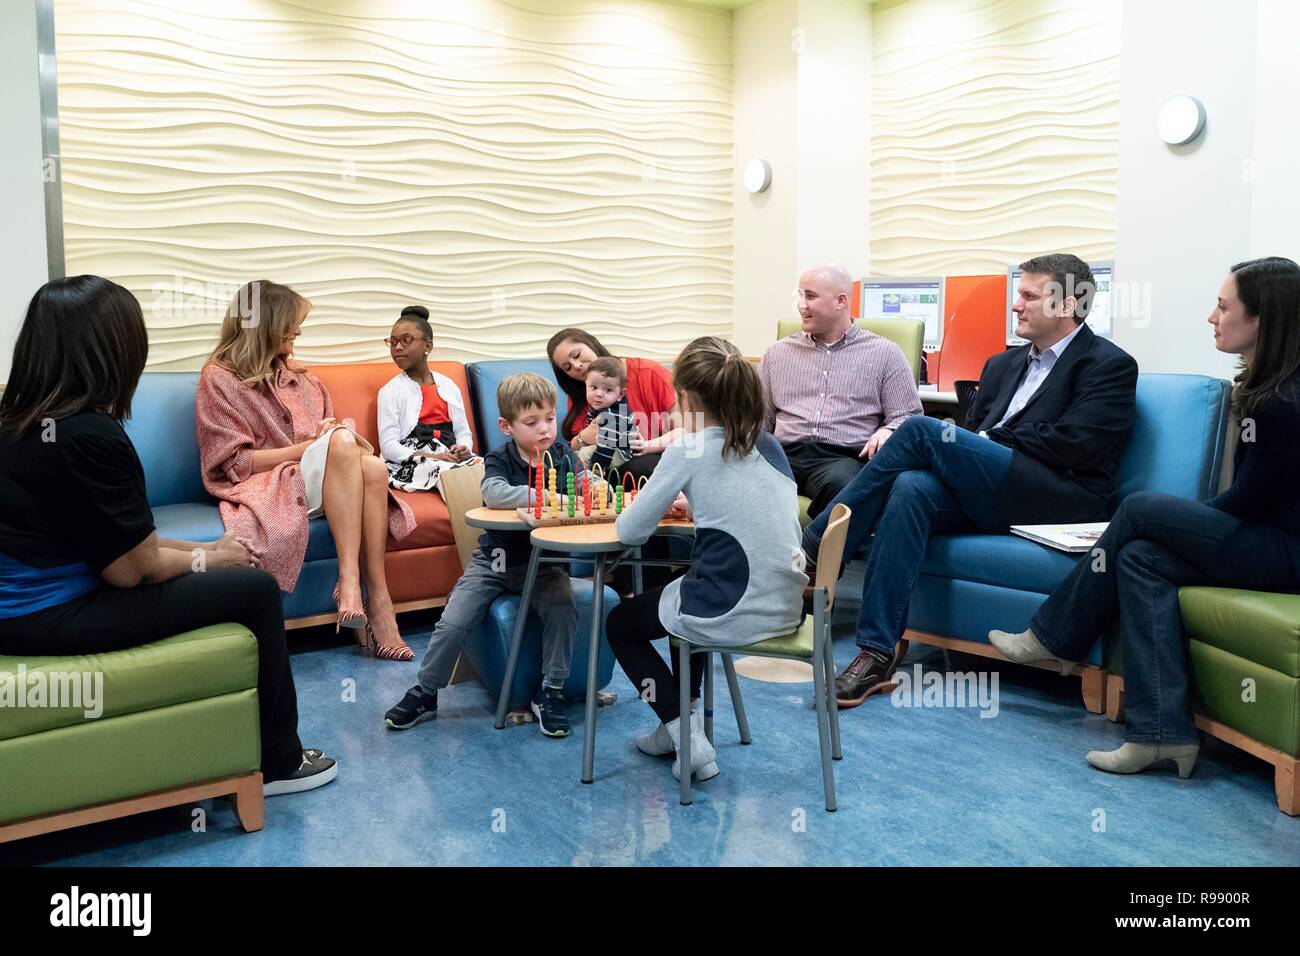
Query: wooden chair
[462, 489]
[811, 643]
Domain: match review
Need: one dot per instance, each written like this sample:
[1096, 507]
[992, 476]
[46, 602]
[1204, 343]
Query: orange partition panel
[354, 389]
[855, 303]
[974, 326]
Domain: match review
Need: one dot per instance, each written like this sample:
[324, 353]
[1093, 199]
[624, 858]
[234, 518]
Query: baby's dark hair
[723, 380]
[611, 367]
[418, 316]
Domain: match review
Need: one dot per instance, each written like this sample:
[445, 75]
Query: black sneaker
[552, 711]
[316, 770]
[417, 706]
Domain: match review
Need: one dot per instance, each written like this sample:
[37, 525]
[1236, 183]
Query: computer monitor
[907, 298]
[1100, 318]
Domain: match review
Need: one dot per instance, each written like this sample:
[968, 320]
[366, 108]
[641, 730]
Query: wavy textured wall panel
[517, 167]
[995, 133]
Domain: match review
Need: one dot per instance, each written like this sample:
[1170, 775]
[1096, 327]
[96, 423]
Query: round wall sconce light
[757, 175]
[1180, 120]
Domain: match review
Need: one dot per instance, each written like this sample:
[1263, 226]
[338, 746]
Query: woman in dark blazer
[1247, 537]
[82, 570]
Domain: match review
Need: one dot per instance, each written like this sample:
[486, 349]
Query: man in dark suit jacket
[1052, 417]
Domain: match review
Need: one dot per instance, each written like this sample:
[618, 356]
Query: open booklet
[1075, 538]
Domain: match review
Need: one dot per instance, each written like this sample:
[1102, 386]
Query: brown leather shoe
[869, 673]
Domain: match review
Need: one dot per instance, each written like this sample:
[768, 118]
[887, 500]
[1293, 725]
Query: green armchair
[1244, 650]
[154, 726]
[907, 334]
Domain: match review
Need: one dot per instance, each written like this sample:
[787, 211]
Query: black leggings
[630, 629]
[112, 619]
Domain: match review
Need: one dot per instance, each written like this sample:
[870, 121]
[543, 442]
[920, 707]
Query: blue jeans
[931, 477]
[1154, 545]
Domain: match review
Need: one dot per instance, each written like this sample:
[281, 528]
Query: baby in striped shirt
[615, 428]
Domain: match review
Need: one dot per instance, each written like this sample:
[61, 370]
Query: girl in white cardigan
[423, 429]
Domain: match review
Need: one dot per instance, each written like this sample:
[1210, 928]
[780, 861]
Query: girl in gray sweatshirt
[746, 580]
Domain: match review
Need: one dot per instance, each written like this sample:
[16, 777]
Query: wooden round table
[597, 540]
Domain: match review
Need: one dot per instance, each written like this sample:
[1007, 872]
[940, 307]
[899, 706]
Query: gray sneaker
[316, 770]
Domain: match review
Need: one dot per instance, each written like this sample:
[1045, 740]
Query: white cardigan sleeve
[390, 429]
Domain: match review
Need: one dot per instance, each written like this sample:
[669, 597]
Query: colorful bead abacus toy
[589, 498]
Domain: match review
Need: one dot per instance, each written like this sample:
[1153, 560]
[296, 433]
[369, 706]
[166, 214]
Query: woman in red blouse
[650, 396]
[273, 454]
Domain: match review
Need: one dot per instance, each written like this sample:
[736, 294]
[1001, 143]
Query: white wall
[1183, 216]
[834, 130]
[995, 133]
[1275, 193]
[1183, 212]
[765, 101]
[23, 264]
[1186, 214]
[802, 102]
[518, 166]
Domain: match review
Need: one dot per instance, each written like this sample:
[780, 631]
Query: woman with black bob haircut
[1248, 537]
[82, 570]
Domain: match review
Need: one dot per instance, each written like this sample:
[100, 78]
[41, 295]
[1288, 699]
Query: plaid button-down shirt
[839, 393]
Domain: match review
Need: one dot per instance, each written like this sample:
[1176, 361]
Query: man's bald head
[833, 277]
[824, 293]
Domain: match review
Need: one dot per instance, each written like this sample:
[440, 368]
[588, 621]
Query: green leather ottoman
[1244, 649]
[153, 726]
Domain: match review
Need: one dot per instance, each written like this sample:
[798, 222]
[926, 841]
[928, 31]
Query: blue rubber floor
[927, 785]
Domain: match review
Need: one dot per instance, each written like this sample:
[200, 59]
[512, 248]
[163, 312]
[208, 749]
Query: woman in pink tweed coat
[273, 454]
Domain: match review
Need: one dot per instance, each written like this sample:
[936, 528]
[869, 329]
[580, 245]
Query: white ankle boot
[1025, 648]
[703, 757]
[657, 743]
[1136, 757]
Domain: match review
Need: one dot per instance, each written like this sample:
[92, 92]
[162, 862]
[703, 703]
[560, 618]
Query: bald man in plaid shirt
[833, 392]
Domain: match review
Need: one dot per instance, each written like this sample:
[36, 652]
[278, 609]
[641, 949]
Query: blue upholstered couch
[970, 584]
[162, 429]
[484, 377]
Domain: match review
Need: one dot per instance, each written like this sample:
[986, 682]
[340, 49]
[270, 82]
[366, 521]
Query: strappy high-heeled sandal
[400, 651]
[356, 620]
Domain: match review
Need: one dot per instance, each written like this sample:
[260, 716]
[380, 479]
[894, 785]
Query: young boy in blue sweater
[527, 407]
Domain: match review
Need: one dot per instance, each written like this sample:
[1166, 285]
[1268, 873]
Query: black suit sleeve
[1099, 417]
[987, 394]
[1270, 469]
